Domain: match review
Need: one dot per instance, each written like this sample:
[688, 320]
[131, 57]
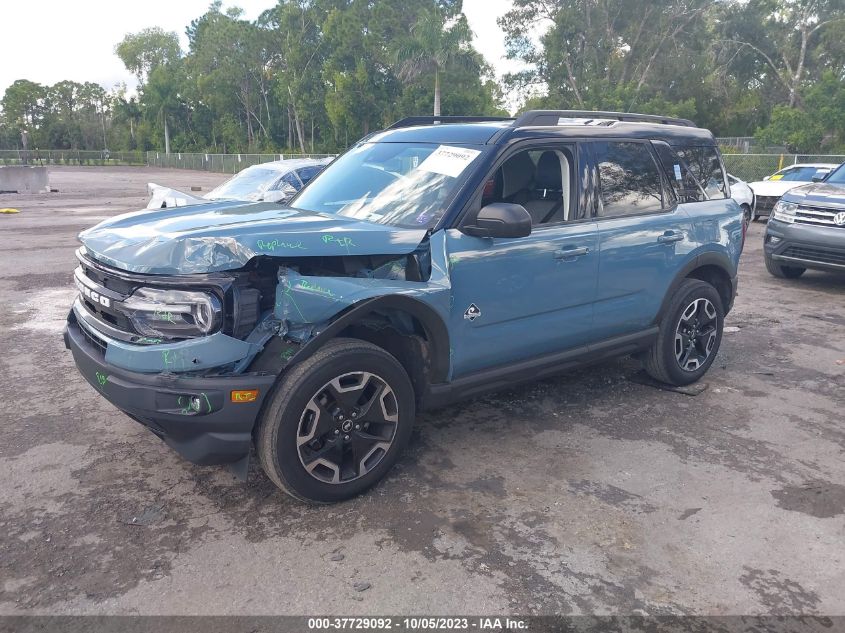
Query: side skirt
[506, 376]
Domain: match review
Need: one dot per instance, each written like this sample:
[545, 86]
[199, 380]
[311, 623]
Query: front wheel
[690, 335]
[337, 422]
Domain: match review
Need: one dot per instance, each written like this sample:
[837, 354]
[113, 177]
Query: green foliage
[818, 128]
[316, 75]
[727, 64]
[142, 52]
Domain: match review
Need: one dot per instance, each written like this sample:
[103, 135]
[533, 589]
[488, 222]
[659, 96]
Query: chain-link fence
[748, 167]
[223, 163]
[70, 157]
[753, 167]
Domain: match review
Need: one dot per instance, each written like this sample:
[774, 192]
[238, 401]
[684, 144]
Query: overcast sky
[50, 40]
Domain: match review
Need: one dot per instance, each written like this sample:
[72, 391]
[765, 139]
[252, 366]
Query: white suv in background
[769, 190]
[744, 196]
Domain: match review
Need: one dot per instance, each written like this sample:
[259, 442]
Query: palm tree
[160, 95]
[434, 46]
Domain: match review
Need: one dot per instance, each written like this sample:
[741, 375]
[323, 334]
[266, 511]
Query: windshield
[838, 176]
[800, 174]
[399, 184]
[250, 184]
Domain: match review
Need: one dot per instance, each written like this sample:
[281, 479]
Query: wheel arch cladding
[401, 325]
[717, 277]
[711, 267]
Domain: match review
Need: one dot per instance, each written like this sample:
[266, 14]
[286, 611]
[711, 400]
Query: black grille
[96, 341]
[108, 281]
[815, 254]
[765, 203]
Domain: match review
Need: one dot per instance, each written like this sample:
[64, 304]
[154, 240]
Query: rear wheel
[783, 272]
[690, 335]
[337, 422]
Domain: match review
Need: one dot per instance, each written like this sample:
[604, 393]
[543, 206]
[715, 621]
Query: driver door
[520, 298]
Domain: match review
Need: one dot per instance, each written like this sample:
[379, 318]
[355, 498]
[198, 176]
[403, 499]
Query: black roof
[544, 124]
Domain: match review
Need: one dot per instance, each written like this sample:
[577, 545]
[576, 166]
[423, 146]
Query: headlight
[784, 211]
[173, 313]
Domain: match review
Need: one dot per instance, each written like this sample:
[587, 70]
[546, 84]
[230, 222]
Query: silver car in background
[276, 181]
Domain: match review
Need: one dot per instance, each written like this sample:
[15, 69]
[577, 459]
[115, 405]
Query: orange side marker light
[245, 395]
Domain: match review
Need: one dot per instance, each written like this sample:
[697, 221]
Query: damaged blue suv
[435, 260]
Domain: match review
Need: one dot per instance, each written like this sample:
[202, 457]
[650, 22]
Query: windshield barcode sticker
[449, 161]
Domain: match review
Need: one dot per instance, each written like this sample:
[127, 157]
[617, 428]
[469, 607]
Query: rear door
[644, 236]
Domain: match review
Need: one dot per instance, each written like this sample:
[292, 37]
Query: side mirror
[767, 178]
[818, 178]
[500, 219]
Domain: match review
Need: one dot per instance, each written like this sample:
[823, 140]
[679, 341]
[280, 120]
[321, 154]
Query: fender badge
[472, 312]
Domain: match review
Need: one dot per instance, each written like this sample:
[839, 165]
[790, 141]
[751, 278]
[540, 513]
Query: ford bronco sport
[434, 260]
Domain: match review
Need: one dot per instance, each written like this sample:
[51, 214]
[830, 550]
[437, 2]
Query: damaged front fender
[312, 309]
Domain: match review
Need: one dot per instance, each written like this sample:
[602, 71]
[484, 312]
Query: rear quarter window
[701, 170]
[629, 179]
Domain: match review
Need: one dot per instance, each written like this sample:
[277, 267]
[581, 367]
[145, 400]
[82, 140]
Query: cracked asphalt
[586, 494]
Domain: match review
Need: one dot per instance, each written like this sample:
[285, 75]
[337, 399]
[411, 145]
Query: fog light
[773, 239]
[196, 403]
[245, 395]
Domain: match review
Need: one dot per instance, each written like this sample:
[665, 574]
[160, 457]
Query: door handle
[670, 236]
[567, 253]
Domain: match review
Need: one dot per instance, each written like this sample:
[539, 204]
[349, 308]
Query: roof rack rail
[435, 120]
[542, 118]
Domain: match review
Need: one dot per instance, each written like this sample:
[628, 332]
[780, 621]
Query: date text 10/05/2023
[419, 623]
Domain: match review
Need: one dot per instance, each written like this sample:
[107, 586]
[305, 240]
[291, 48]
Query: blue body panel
[226, 236]
[502, 301]
[531, 299]
[636, 268]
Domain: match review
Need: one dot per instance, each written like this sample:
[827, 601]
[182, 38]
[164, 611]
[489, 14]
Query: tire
[747, 214]
[347, 412]
[678, 326]
[783, 272]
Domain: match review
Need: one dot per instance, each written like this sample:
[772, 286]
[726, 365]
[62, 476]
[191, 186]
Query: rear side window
[705, 170]
[629, 179]
[307, 173]
[289, 179]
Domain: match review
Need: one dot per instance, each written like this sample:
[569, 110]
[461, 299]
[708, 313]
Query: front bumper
[805, 246]
[218, 431]
[763, 205]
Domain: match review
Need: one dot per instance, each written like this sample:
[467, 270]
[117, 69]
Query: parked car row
[769, 190]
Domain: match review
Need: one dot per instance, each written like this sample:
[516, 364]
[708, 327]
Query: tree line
[316, 75]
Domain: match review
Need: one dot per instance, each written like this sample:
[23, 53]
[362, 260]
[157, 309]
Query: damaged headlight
[784, 211]
[173, 313]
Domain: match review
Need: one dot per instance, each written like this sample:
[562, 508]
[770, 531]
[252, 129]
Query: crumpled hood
[821, 194]
[225, 236]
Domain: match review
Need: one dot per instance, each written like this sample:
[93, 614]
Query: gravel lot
[589, 493]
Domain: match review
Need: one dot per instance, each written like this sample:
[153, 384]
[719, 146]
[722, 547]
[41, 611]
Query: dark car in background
[807, 228]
